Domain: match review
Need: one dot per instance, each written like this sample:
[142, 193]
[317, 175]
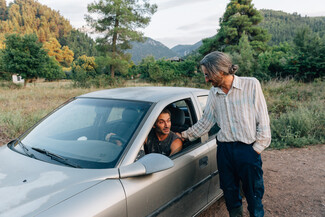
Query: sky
[186, 21]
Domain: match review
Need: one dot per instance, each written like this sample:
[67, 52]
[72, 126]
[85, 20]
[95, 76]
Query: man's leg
[229, 182]
[249, 168]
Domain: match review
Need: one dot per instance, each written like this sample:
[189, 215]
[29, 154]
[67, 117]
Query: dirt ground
[294, 182]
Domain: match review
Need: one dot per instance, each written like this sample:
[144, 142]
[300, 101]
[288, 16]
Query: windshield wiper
[56, 157]
[25, 149]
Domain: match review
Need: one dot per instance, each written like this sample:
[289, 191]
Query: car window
[115, 114]
[182, 117]
[91, 132]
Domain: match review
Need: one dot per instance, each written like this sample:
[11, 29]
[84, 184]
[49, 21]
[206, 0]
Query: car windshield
[91, 133]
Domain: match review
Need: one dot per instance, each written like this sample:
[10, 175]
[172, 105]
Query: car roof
[148, 94]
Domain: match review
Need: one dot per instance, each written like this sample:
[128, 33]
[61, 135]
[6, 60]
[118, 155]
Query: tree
[118, 21]
[80, 43]
[308, 62]
[63, 55]
[244, 57]
[25, 56]
[53, 71]
[53, 49]
[83, 68]
[240, 18]
[67, 56]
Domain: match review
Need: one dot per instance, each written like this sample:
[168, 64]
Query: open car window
[183, 116]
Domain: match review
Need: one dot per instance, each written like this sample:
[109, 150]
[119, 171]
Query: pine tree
[118, 20]
[240, 17]
[244, 57]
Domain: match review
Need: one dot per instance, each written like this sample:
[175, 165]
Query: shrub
[304, 126]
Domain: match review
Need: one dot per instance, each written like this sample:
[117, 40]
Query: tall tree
[240, 18]
[118, 21]
[25, 56]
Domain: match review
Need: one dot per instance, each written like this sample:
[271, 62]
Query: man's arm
[204, 124]
[263, 131]
[176, 146]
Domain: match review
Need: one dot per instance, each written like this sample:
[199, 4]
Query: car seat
[128, 124]
[177, 119]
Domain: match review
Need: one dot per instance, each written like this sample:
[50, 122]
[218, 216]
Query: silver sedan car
[64, 165]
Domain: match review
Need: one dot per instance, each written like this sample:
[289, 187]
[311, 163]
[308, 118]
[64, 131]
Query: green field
[297, 110]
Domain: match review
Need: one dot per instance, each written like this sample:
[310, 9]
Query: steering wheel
[116, 139]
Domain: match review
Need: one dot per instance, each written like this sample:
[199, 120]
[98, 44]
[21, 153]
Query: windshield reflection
[91, 133]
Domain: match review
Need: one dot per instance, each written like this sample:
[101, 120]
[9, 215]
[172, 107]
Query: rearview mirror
[150, 163]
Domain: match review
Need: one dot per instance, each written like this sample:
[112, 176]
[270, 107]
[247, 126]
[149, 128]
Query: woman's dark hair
[216, 62]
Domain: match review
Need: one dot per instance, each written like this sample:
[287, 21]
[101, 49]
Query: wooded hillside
[283, 26]
[29, 16]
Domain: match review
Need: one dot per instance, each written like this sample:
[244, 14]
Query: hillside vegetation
[283, 26]
[31, 17]
[28, 16]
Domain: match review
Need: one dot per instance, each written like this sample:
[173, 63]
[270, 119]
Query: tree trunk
[112, 67]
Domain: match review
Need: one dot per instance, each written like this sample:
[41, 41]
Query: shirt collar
[235, 84]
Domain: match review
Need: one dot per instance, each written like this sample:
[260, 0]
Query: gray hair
[216, 62]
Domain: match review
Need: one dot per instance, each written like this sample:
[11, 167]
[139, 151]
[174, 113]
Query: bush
[297, 113]
[304, 126]
[106, 81]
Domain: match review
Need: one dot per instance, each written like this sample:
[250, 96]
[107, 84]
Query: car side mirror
[150, 163]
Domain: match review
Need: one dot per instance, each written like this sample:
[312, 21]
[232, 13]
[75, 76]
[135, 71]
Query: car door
[215, 191]
[179, 191]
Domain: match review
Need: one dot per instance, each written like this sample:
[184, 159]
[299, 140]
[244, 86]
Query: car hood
[29, 186]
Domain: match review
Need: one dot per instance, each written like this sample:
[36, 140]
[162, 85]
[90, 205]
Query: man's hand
[116, 141]
[108, 136]
[180, 136]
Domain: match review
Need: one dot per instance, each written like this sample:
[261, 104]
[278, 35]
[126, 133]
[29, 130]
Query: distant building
[17, 79]
[175, 59]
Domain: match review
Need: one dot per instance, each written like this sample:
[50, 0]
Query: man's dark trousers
[237, 162]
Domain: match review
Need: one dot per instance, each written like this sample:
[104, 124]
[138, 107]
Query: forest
[266, 44]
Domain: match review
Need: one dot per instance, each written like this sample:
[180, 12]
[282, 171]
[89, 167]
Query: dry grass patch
[21, 108]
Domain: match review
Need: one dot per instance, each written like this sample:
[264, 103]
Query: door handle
[203, 162]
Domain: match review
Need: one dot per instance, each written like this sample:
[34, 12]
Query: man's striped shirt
[241, 115]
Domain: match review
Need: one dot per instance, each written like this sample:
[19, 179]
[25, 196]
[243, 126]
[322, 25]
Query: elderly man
[161, 139]
[238, 106]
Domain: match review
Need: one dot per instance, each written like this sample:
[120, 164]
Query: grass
[297, 113]
[297, 110]
[21, 108]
